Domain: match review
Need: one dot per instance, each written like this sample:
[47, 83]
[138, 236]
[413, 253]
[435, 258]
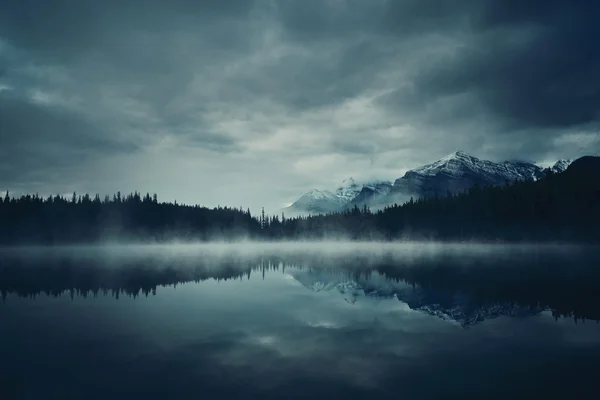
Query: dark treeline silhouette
[471, 289]
[559, 207]
[83, 219]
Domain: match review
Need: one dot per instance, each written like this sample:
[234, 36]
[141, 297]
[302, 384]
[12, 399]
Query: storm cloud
[250, 103]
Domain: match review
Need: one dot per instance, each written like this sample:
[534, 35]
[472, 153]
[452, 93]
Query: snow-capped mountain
[348, 189]
[454, 173]
[316, 202]
[561, 166]
[325, 201]
[460, 171]
[372, 195]
[460, 163]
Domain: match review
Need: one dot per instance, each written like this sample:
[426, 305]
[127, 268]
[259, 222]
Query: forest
[558, 207]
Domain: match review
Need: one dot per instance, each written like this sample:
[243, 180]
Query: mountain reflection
[464, 288]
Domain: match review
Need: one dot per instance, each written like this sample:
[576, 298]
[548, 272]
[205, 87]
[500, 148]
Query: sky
[253, 102]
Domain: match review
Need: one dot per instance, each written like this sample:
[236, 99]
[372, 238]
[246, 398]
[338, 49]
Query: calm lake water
[351, 321]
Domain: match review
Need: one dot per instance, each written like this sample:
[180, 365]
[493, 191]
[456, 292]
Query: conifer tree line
[558, 207]
[83, 219]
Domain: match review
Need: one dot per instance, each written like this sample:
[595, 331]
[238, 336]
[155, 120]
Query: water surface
[299, 321]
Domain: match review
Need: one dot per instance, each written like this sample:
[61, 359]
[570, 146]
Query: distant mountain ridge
[317, 202]
[453, 173]
[325, 201]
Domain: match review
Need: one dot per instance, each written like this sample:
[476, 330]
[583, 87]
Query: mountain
[316, 202]
[372, 195]
[561, 166]
[587, 167]
[453, 173]
[325, 201]
[458, 172]
[348, 189]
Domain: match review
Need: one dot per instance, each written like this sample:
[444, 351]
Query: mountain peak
[451, 162]
[458, 155]
[315, 201]
[460, 171]
[561, 165]
[348, 189]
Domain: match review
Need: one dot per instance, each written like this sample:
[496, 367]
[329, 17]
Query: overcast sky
[251, 103]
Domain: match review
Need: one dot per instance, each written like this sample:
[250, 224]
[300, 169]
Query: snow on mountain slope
[316, 201]
[348, 189]
[459, 164]
[460, 171]
[324, 201]
[372, 195]
[561, 166]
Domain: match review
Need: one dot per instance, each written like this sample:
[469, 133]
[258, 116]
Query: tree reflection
[467, 291]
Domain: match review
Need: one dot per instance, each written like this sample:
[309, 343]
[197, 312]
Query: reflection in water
[461, 284]
[304, 321]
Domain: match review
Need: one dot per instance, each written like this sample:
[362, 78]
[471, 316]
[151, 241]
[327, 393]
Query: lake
[304, 320]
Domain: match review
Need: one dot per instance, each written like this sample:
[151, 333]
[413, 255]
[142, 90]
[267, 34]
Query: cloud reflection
[277, 324]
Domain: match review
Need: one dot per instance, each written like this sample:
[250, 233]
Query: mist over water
[299, 320]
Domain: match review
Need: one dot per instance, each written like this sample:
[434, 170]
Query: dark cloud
[39, 139]
[283, 80]
[70, 27]
[533, 64]
[214, 141]
[521, 66]
[315, 20]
